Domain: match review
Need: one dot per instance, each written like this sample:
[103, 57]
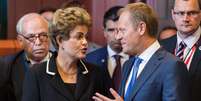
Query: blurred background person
[65, 77]
[48, 14]
[110, 58]
[186, 44]
[167, 32]
[34, 39]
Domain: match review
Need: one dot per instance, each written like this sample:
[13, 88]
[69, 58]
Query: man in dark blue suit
[152, 74]
[186, 15]
[105, 57]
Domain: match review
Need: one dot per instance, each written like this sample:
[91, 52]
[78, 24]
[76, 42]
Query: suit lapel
[126, 71]
[82, 82]
[170, 44]
[148, 70]
[196, 59]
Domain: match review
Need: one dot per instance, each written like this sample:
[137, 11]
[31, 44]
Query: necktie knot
[117, 57]
[180, 50]
[137, 61]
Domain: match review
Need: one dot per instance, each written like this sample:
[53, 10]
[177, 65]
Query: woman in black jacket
[65, 77]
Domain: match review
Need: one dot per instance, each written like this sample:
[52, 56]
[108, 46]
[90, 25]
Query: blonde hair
[142, 12]
[65, 20]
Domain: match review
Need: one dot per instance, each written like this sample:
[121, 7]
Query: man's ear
[20, 41]
[141, 27]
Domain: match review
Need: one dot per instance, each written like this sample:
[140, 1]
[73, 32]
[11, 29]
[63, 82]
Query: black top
[70, 87]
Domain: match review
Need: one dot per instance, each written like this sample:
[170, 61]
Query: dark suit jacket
[195, 66]
[43, 83]
[15, 74]
[5, 85]
[164, 78]
[99, 57]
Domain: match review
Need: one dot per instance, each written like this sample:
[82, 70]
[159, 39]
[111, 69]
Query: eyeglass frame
[35, 36]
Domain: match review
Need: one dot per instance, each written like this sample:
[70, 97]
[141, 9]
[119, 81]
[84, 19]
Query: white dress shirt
[111, 60]
[190, 41]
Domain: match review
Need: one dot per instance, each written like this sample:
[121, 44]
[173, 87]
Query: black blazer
[195, 66]
[5, 86]
[15, 74]
[164, 78]
[43, 83]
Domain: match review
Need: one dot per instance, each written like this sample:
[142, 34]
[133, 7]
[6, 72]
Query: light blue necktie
[136, 64]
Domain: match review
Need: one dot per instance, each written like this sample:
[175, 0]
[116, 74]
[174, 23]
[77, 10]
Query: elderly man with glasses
[33, 37]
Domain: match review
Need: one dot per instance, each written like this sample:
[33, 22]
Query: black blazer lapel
[148, 70]
[82, 82]
[196, 59]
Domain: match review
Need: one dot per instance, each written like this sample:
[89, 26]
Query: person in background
[65, 77]
[167, 32]
[110, 58]
[186, 44]
[48, 14]
[33, 37]
[152, 73]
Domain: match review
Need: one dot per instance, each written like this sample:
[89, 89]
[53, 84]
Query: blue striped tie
[135, 67]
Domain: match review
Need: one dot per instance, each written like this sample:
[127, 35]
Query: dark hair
[168, 27]
[111, 14]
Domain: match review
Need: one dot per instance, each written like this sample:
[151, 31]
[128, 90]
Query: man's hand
[100, 97]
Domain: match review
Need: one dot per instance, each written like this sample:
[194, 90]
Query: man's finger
[96, 98]
[115, 94]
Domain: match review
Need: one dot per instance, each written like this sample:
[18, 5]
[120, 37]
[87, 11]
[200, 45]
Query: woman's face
[76, 45]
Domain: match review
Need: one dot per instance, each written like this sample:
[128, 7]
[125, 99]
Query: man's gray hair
[20, 23]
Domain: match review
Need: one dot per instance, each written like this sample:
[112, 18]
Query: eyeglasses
[43, 37]
[189, 13]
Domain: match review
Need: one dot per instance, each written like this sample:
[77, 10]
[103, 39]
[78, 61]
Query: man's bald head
[30, 17]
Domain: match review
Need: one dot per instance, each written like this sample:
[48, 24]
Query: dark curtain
[3, 19]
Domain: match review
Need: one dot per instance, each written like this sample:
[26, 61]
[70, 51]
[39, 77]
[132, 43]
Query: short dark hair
[111, 14]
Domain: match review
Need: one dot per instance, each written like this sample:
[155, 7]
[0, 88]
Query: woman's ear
[59, 39]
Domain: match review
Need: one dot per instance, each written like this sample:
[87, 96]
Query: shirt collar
[146, 55]
[190, 40]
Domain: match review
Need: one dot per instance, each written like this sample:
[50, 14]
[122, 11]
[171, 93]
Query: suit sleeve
[176, 82]
[30, 87]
